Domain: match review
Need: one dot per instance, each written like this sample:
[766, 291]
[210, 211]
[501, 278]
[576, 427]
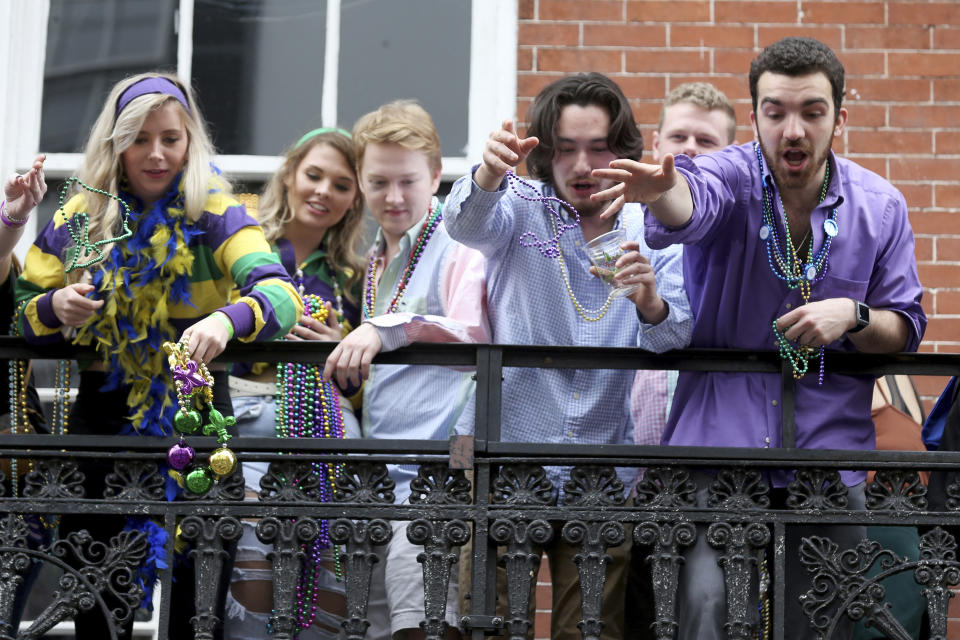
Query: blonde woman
[312, 213]
[191, 243]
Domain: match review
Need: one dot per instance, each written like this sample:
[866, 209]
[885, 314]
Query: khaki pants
[565, 578]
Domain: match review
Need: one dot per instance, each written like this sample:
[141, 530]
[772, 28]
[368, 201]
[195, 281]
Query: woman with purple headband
[147, 168]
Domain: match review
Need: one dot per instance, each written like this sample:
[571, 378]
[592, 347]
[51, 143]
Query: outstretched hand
[636, 182]
[350, 361]
[23, 192]
[503, 150]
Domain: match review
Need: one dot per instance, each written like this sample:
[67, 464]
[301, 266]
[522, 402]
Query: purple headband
[153, 84]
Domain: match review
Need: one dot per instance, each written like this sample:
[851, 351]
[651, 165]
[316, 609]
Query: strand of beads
[18, 403]
[308, 407]
[81, 234]
[194, 385]
[547, 248]
[785, 263]
[370, 286]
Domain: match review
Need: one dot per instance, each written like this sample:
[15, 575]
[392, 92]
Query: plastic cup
[603, 251]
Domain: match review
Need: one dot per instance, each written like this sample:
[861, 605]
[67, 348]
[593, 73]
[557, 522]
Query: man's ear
[840, 123]
[655, 146]
[435, 181]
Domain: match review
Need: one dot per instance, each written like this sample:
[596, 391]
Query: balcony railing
[508, 509]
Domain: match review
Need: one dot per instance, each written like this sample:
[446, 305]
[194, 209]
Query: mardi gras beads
[79, 229]
[194, 385]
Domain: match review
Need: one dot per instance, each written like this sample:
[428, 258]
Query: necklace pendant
[764, 232]
[811, 272]
[830, 227]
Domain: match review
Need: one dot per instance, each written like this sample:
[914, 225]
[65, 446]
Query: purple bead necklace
[547, 248]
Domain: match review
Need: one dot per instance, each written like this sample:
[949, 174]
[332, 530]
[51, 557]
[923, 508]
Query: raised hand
[23, 192]
[503, 150]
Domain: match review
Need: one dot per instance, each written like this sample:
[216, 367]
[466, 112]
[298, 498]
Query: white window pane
[90, 45]
[258, 69]
[413, 49]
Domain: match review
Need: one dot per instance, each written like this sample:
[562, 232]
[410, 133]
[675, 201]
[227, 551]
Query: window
[267, 70]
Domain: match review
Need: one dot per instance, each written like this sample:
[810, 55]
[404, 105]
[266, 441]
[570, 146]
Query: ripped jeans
[255, 418]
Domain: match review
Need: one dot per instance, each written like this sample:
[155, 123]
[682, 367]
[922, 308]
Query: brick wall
[903, 94]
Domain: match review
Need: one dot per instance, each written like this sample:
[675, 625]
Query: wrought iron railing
[509, 508]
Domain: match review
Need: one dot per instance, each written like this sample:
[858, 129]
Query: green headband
[316, 132]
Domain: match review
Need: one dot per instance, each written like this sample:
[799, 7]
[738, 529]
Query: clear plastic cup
[603, 251]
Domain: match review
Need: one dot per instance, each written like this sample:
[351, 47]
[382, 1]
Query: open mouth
[582, 187]
[795, 158]
[317, 208]
[156, 173]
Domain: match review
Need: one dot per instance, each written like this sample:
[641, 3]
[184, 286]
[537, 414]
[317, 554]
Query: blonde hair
[274, 211]
[402, 122]
[114, 133]
[703, 95]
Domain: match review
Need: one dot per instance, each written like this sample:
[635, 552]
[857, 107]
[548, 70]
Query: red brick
[923, 249]
[948, 302]
[931, 386]
[667, 61]
[926, 303]
[530, 84]
[919, 196]
[646, 112]
[935, 222]
[946, 37]
[579, 10]
[571, 60]
[884, 141]
[624, 35]
[543, 576]
[533, 33]
[735, 37]
[939, 275]
[948, 250]
[525, 9]
[942, 329]
[844, 12]
[541, 626]
[523, 105]
[761, 11]
[830, 35]
[947, 195]
[887, 89]
[675, 11]
[642, 87]
[946, 89]
[733, 60]
[876, 164]
[544, 596]
[865, 115]
[948, 143]
[887, 37]
[929, 13]
[735, 87]
[924, 168]
[524, 58]
[923, 116]
[863, 64]
[924, 64]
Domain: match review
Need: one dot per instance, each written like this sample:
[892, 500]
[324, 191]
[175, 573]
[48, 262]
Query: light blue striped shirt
[414, 401]
[529, 304]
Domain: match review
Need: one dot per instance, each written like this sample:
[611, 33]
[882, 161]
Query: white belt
[240, 387]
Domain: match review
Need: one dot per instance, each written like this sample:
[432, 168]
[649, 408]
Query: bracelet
[11, 223]
[227, 322]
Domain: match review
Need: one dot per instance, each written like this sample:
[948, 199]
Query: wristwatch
[863, 317]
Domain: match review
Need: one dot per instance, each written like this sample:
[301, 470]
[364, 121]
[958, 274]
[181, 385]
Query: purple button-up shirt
[735, 298]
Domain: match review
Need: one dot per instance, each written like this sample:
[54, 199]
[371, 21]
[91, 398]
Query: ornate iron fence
[509, 509]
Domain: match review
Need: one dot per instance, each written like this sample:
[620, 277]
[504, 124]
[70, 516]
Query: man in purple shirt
[790, 247]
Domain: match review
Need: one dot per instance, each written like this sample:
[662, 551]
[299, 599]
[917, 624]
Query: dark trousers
[96, 412]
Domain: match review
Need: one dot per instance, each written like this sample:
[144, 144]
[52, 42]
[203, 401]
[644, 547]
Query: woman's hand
[72, 307]
[206, 339]
[23, 192]
[310, 329]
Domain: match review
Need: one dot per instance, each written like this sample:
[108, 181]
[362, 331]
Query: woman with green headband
[312, 214]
